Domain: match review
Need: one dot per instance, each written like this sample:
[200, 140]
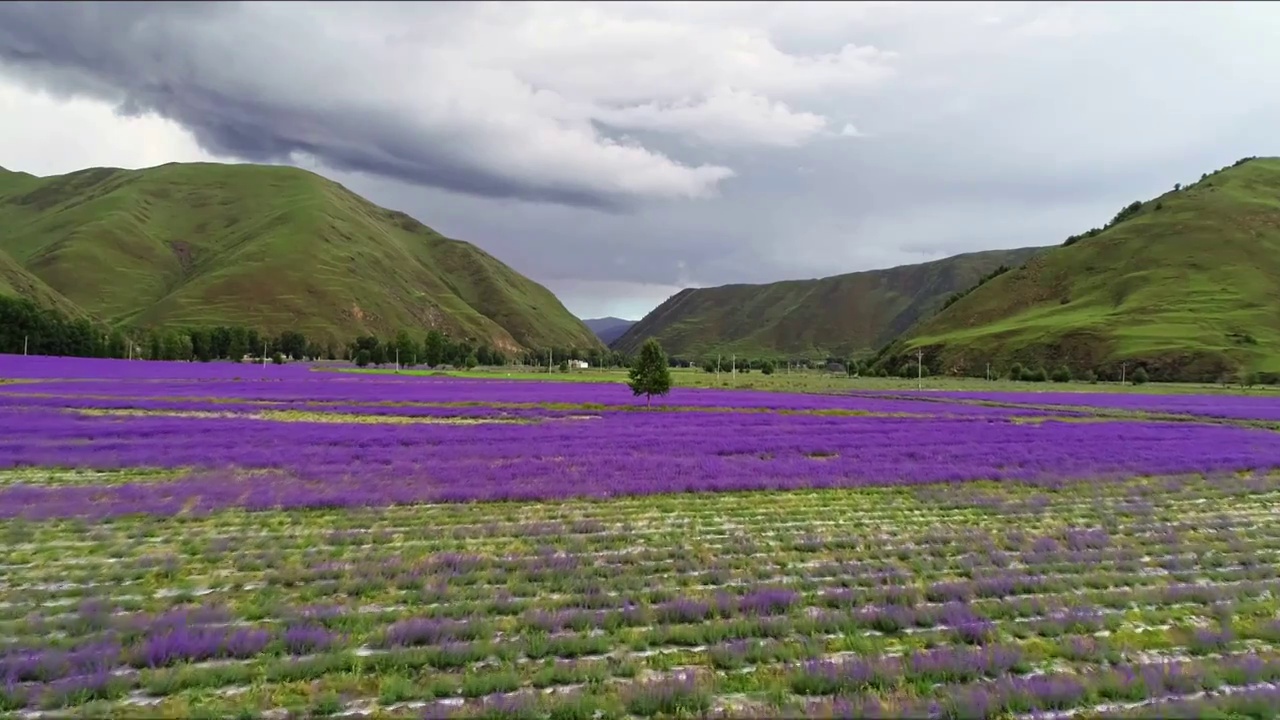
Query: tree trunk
[648, 401]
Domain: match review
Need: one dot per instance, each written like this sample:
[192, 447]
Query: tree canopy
[650, 374]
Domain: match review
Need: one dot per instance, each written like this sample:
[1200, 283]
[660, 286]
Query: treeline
[25, 327]
[957, 296]
[768, 366]
[1211, 369]
[438, 349]
[1128, 211]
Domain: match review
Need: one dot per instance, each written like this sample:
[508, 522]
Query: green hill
[1187, 284]
[274, 248]
[837, 315]
[16, 281]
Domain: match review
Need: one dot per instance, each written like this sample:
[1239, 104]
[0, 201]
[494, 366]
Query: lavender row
[646, 454]
[348, 388]
[1223, 406]
[446, 613]
[690, 694]
[12, 402]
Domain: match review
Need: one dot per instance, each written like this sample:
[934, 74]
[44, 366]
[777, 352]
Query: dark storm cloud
[139, 55]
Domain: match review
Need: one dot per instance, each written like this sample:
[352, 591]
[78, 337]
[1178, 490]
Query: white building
[579, 364]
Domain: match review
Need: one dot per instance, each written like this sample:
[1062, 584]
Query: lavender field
[186, 540]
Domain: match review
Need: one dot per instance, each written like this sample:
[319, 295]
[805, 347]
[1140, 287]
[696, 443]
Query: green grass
[270, 247]
[821, 382]
[840, 314]
[1176, 288]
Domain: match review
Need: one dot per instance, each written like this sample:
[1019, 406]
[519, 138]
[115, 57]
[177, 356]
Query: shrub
[1015, 372]
[1037, 375]
[1127, 212]
[1062, 374]
[766, 367]
[277, 359]
[1140, 376]
[362, 358]
[1089, 376]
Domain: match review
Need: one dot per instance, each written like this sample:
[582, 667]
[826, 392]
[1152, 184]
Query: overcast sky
[617, 152]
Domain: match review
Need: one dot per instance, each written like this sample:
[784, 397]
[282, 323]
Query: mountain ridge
[272, 247]
[840, 314]
[1186, 284]
[608, 328]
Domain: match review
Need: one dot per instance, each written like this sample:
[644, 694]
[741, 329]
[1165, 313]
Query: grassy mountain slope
[609, 329]
[841, 314]
[15, 281]
[271, 247]
[1188, 286]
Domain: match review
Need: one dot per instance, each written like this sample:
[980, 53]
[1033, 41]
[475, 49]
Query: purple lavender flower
[306, 638]
[769, 601]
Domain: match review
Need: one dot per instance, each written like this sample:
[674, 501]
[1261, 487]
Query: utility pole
[717, 368]
[988, 372]
[734, 365]
[397, 359]
[264, 356]
[920, 369]
[1122, 368]
[548, 362]
[24, 344]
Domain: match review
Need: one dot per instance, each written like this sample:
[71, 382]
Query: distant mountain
[1186, 284]
[608, 329]
[274, 248]
[838, 315]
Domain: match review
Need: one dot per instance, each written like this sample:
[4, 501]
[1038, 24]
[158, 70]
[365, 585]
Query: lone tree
[650, 375]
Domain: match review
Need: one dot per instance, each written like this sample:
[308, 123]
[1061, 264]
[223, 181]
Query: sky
[618, 152]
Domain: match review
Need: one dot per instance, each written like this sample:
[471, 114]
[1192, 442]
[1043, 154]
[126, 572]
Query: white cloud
[587, 51]
[611, 298]
[726, 116]
[44, 135]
